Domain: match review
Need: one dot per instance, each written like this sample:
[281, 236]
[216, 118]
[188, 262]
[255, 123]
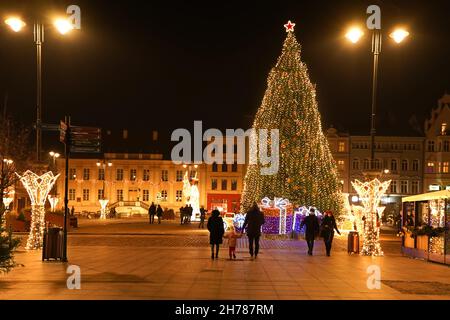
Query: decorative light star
[289, 26]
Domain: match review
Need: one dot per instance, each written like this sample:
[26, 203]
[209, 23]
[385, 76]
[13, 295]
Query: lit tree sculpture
[370, 193]
[38, 188]
[191, 194]
[53, 200]
[103, 204]
[307, 174]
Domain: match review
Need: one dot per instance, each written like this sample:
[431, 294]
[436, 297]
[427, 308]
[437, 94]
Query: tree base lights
[370, 193]
[38, 188]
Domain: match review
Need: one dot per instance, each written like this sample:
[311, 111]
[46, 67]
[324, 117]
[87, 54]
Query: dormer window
[444, 129]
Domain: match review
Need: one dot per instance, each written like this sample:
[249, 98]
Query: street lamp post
[354, 35]
[54, 155]
[63, 26]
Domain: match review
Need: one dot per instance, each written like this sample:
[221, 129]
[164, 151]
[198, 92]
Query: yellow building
[437, 149]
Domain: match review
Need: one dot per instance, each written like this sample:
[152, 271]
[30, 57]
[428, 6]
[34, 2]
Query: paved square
[133, 260]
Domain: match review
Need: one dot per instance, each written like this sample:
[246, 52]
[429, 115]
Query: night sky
[163, 64]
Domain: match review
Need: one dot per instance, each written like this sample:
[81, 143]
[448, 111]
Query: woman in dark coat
[327, 230]
[216, 231]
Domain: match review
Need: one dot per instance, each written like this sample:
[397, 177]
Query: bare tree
[14, 153]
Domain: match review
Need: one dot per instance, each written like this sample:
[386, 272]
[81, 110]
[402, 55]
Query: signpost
[76, 140]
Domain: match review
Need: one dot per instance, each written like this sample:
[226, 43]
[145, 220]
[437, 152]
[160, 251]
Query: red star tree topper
[289, 26]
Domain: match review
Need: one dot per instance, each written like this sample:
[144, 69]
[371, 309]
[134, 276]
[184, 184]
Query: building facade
[437, 148]
[131, 178]
[414, 164]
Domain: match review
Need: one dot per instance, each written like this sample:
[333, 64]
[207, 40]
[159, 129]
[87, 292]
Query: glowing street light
[399, 35]
[63, 26]
[16, 24]
[354, 34]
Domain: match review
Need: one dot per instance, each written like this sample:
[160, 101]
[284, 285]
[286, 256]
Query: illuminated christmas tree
[307, 174]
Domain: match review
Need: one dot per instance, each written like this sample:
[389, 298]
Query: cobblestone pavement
[139, 262]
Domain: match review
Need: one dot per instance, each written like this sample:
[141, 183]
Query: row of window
[133, 175]
[443, 146]
[386, 146]
[120, 197]
[437, 167]
[404, 187]
[224, 166]
[224, 184]
[405, 165]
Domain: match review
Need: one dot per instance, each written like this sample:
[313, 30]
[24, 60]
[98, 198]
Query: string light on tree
[307, 173]
[38, 188]
[370, 193]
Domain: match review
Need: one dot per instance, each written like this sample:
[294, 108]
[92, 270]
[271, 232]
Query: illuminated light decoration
[8, 197]
[370, 193]
[289, 26]
[192, 194]
[38, 188]
[307, 173]
[16, 24]
[53, 202]
[279, 211]
[239, 220]
[437, 245]
[347, 220]
[103, 204]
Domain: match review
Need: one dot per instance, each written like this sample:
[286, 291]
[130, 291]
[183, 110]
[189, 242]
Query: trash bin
[353, 242]
[73, 222]
[53, 244]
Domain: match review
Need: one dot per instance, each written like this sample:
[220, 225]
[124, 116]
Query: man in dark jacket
[254, 220]
[189, 213]
[159, 213]
[202, 217]
[152, 212]
[182, 210]
[312, 229]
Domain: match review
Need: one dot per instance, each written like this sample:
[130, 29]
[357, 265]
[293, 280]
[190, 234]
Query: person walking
[216, 231]
[182, 215]
[202, 218]
[152, 212]
[327, 230]
[253, 221]
[185, 214]
[159, 213]
[190, 210]
[232, 237]
[312, 229]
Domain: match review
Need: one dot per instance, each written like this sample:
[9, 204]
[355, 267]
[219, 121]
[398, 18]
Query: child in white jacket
[232, 237]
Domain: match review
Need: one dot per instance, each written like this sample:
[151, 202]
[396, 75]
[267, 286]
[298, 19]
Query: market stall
[425, 226]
